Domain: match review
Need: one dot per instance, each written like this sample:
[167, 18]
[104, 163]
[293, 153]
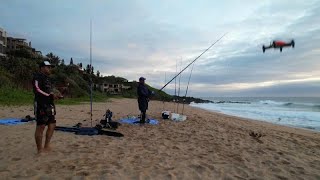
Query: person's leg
[49, 134]
[38, 137]
[143, 116]
[146, 117]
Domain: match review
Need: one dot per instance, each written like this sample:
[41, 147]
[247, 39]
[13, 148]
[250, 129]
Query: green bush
[15, 96]
[18, 68]
[5, 78]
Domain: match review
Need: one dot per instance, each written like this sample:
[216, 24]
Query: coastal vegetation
[69, 79]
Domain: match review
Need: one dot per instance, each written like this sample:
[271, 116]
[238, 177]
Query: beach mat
[88, 131]
[11, 121]
[66, 129]
[137, 121]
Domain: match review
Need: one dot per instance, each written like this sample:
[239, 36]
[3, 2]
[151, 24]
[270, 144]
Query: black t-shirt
[42, 87]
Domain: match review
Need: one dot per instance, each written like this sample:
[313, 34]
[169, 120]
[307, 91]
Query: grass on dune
[10, 96]
[14, 96]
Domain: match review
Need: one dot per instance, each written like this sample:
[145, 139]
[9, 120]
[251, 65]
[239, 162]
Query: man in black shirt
[143, 98]
[44, 105]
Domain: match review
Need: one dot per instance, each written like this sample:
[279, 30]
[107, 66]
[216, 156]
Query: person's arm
[149, 92]
[36, 84]
[143, 91]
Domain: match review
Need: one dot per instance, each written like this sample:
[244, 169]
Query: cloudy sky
[151, 38]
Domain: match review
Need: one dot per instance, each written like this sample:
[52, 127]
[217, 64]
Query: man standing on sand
[44, 105]
[143, 98]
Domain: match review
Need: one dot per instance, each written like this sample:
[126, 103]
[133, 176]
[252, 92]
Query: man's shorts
[143, 104]
[41, 117]
[45, 120]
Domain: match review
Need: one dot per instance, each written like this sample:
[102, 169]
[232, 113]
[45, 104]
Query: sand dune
[207, 146]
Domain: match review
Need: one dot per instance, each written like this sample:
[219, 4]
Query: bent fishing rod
[193, 61]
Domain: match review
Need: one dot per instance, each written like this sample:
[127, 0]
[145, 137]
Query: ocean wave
[270, 102]
[298, 114]
[290, 104]
[317, 106]
[231, 102]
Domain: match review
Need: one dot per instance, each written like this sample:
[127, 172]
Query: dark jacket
[143, 96]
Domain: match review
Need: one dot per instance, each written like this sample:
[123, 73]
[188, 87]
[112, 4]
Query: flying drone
[278, 44]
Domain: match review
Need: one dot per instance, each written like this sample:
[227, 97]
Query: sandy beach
[208, 145]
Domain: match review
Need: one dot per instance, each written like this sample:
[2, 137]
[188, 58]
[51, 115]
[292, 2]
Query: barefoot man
[44, 106]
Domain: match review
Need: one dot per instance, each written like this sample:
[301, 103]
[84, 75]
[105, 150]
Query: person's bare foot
[40, 151]
[46, 149]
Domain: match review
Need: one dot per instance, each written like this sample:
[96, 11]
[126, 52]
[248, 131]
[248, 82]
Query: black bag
[111, 125]
[165, 115]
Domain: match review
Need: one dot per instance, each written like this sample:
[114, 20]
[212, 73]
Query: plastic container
[178, 117]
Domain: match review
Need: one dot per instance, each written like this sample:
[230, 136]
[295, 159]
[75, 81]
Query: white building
[3, 42]
[113, 88]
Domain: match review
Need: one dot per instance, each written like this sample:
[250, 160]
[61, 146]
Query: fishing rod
[179, 87]
[90, 71]
[165, 79]
[193, 61]
[187, 87]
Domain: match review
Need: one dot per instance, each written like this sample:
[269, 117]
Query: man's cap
[45, 63]
[142, 79]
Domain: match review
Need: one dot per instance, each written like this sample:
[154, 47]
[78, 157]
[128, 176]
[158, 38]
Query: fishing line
[193, 61]
[178, 102]
[187, 87]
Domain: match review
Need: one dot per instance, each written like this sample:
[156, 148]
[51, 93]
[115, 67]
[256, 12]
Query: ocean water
[302, 112]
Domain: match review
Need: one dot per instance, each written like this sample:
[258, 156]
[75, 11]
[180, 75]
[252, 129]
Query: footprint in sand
[275, 169]
[71, 167]
[198, 168]
[175, 147]
[276, 157]
[31, 172]
[300, 168]
[285, 162]
[15, 159]
[3, 168]
[292, 172]
[75, 145]
[83, 173]
[281, 177]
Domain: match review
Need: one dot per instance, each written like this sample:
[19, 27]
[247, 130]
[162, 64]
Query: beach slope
[207, 145]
